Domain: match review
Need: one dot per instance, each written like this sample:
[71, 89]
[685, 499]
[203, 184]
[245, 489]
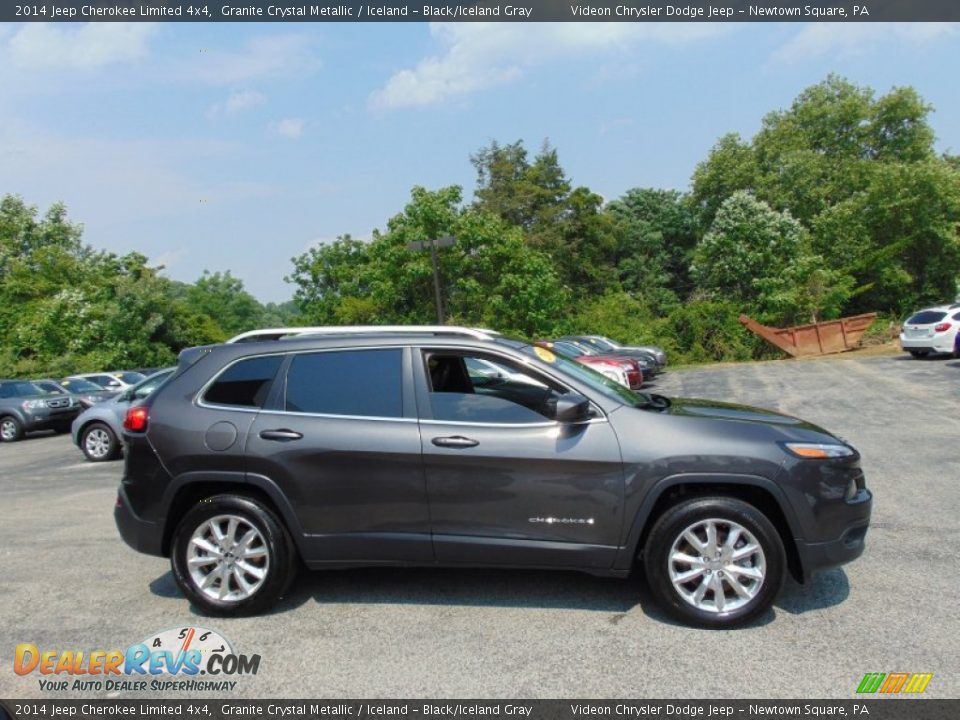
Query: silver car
[97, 430]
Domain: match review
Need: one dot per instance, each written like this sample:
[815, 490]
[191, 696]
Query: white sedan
[933, 330]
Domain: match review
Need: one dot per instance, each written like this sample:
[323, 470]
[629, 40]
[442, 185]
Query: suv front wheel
[715, 561]
[232, 556]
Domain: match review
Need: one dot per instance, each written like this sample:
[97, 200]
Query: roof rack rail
[287, 332]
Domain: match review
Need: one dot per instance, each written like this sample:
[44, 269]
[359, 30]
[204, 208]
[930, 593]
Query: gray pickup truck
[25, 407]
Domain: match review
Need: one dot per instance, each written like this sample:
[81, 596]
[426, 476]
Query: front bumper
[49, 419]
[847, 546]
[141, 535]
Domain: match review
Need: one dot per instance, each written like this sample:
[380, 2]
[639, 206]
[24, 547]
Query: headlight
[819, 450]
[33, 404]
[617, 376]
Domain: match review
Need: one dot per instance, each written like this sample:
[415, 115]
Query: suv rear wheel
[232, 556]
[715, 561]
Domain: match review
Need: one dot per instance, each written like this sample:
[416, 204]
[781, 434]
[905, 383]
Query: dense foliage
[66, 308]
[838, 205]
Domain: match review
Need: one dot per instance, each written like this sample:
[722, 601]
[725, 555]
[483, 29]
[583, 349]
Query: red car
[618, 368]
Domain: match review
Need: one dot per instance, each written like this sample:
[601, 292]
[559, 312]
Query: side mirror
[572, 408]
[126, 395]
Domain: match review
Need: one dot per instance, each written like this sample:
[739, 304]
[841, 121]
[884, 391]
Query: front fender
[634, 529]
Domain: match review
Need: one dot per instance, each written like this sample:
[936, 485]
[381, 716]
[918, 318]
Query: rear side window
[363, 383]
[245, 383]
[925, 317]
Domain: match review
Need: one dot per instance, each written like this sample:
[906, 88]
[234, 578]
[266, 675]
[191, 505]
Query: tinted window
[925, 317]
[78, 385]
[131, 378]
[245, 383]
[366, 383]
[466, 388]
[19, 389]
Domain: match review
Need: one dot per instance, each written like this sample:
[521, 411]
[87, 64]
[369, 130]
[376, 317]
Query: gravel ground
[68, 581]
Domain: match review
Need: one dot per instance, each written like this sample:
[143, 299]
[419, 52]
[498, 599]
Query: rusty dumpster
[822, 338]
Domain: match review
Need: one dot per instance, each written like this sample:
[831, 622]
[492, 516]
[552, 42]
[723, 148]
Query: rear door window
[245, 383]
[359, 383]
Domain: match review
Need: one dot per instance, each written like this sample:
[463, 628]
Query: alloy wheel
[716, 565]
[228, 558]
[97, 443]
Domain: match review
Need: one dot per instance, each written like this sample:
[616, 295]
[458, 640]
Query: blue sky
[238, 146]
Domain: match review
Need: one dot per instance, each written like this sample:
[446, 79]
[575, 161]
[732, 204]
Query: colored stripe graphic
[918, 682]
[871, 682]
[894, 682]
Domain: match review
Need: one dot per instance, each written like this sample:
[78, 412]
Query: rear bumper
[141, 535]
[944, 342]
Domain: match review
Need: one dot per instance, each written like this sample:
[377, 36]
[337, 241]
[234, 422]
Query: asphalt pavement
[67, 581]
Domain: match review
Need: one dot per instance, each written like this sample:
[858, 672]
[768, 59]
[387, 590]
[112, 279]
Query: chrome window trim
[527, 362]
[330, 416]
[545, 424]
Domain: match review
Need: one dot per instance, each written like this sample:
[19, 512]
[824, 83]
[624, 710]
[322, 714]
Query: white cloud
[87, 46]
[477, 56]
[818, 39]
[290, 128]
[261, 57]
[238, 101]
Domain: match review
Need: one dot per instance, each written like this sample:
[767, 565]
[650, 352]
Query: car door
[341, 441]
[507, 484]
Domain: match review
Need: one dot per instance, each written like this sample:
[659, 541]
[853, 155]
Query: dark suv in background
[25, 407]
[387, 448]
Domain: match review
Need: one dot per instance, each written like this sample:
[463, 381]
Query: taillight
[136, 419]
[942, 327]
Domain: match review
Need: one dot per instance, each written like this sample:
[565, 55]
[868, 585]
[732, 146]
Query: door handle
[457, 441]
[281, 435]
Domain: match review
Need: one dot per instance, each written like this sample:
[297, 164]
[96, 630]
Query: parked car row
[630, 366]
[48, 404]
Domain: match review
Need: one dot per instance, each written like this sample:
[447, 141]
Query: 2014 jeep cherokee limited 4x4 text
[390, 448]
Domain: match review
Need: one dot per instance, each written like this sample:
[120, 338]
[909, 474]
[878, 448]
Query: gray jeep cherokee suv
[385, 448]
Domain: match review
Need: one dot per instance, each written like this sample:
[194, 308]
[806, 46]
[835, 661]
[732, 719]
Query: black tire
[919, 353]
[11, 429]
[668, 529]
[107, 449]
[281, 555]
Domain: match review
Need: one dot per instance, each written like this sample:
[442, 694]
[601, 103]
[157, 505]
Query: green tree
[222, 297]
[860, 173]
[761, 259]
[656, 234]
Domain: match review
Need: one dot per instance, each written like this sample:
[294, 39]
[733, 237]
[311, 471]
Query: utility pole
[433, 244]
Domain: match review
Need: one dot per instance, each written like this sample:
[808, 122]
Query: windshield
[146, 388]
[49, 386]
[79, 385]
[605, 343]
[588, 376]
[131, 378]
[567, 349]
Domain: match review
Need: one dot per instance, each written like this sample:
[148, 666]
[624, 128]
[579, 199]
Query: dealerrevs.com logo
[186, 659]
